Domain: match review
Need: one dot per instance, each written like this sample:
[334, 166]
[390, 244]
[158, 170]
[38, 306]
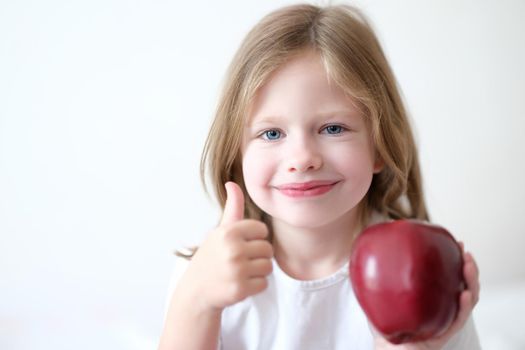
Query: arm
[231, 265]
[188, 326]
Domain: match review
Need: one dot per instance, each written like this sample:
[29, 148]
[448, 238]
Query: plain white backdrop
[104, 109]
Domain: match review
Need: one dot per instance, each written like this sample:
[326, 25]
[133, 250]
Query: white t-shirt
[293, 314]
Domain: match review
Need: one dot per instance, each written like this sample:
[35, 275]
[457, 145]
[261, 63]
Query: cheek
[354, 162]
[257, 168]
[258, 171]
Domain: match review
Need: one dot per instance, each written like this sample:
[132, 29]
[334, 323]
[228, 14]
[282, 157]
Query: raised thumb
[234, 206]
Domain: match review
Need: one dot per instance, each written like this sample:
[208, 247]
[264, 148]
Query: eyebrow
[268, 119]
[273, 119]
[341, 113]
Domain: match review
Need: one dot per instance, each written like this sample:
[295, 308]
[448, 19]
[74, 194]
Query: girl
[310, 144]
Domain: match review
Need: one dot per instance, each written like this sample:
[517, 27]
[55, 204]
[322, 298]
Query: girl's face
[308, 157]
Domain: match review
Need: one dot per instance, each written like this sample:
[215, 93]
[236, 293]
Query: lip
[307, 189]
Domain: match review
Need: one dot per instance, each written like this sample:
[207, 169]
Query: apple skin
[407, 276]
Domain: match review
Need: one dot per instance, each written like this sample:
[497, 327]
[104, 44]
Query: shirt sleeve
[466, 338]
[179, 267]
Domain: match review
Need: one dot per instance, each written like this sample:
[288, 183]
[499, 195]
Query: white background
[104, 109]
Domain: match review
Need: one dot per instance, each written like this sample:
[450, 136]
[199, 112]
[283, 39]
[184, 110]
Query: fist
[235, 259]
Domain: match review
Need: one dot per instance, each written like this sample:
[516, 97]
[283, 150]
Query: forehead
[301, 86]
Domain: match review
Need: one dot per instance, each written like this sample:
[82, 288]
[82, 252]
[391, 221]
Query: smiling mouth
[306, 189]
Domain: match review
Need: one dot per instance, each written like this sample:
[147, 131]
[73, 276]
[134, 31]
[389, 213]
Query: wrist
[190, 324]
[192, 300]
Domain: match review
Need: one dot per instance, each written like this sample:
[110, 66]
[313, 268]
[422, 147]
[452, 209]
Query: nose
[304, 156]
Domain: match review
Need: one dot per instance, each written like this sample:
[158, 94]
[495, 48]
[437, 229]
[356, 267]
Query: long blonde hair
[354, 59]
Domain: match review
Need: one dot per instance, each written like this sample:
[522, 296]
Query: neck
[307, 253]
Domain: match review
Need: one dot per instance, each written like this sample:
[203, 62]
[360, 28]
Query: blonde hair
[353, 59]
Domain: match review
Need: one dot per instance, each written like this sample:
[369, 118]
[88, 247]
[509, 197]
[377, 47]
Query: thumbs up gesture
[234, 260]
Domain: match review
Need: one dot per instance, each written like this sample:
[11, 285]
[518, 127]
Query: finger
[470, 259]
[471, 273]
[259, 268]
[465, 309]
[251, 230]
[259, 249]
[256, 285]
[234, 206]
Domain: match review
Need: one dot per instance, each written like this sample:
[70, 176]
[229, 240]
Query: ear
[379, 163]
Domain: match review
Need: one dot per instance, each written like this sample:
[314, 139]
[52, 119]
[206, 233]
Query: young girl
[310, 144]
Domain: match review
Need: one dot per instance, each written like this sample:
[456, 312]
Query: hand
[467, 300]
[234, 260]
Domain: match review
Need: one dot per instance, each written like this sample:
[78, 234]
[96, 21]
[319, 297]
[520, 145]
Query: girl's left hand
[468, 299]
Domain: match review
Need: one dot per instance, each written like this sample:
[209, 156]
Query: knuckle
[238, 272]
[269, 267]
[238, 291]
[265, 250]
[235, 253]
[265, 267]
[229, 232]
[258, 225]
[269, 249]
[263, 227]
[263, 285]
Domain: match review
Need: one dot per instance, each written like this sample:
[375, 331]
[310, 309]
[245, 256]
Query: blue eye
[271, 134]
[334, 129]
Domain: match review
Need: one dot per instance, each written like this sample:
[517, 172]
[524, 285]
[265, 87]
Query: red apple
[407, 276]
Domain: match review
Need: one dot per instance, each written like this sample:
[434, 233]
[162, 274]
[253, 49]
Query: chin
[306, 220]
